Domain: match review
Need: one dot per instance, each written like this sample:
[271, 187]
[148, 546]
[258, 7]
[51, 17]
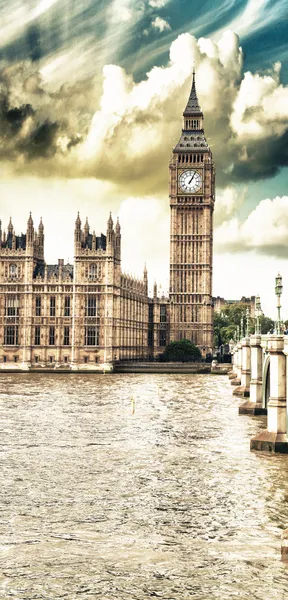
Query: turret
[41, 239]
[77, 231]
[145, 277]
[10, 227]
[94, 241]
[30, 234]
[118, 238]
[155, 291]
[86, 230]
[110, 231]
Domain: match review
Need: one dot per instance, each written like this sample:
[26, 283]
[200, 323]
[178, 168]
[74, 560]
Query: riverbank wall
[129, 367]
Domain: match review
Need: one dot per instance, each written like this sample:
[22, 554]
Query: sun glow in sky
[92, 96]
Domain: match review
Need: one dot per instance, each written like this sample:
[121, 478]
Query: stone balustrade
[260, 370]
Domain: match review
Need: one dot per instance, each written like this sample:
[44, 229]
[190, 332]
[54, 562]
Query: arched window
[13, 270]
[92, 272]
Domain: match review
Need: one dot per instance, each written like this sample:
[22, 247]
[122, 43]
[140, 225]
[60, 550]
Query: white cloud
[158, 3]
[228, 201]
[264, 230]
[137, 124]
[160, 24]
[256, 15]
[42, 7]
[261, 104]
[121, 11]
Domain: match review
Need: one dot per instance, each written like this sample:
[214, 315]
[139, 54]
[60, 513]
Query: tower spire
[193, 107]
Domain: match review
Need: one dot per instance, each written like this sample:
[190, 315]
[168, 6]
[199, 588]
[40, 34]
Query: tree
[266, 324]
[182, 351]
[226, 323]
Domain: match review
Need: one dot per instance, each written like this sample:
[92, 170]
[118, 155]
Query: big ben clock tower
[192, 195]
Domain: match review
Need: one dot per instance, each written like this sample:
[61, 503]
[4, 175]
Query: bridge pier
[233, 373]
[243, 389]
[238, 367]
[254, 406]
[274, 439]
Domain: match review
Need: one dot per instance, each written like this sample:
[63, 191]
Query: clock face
[190, 181]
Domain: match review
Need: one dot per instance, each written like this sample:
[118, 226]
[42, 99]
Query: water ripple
[97, 502]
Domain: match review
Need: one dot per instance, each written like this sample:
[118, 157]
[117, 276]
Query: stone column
[254, 405]
[233, 374]
[243, 376]
[274, 439]
[246, 367]
[238, 369]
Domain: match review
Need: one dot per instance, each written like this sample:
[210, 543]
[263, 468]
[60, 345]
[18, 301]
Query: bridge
[260, 376]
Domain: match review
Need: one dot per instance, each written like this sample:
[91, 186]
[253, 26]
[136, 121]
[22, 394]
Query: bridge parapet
[274, 439]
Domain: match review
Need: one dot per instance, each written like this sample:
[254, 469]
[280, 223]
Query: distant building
[220, 303]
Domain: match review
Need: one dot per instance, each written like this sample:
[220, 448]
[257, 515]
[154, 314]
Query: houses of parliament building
[90, 315]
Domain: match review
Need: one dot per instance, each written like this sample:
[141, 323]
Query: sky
[91, 100]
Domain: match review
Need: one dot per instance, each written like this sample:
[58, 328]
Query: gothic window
[91, 306]
[13, 271]
[66, 340]
[52, 306]
[51, 336]
[12, 306]
[37, 336]
[162, 338]
[91, 336]
[11, 335]
[92, 272]
[163, 313]
[67, 306]
[38, 306]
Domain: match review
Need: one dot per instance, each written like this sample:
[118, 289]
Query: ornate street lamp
[247, 321]
[242, 328]
[257, 313]
[278, 292]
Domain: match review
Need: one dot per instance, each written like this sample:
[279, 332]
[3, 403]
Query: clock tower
[192, 195]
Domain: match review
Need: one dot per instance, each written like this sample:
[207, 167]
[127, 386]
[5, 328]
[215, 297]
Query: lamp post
[237, 333]
[247, 321]
[241, 328]
[257, 313]
[278, 292]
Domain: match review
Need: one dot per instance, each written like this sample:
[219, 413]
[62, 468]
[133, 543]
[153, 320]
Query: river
[108, 498]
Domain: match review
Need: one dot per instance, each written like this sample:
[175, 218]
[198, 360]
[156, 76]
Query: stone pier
[254, 406]
[243, 389]
[238, 366]
[233, 373]
[274, 439]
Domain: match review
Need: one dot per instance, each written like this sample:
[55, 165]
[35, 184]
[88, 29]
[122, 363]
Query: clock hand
[191, 179]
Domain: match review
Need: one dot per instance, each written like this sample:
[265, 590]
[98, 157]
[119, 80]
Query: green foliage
[225, 323]
[266, 324]
[182, 351]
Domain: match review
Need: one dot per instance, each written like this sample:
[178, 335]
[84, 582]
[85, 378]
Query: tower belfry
[192, 195]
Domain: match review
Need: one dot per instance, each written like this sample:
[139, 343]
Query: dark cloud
[41, 142]
[34, 42]
[12, 119]
[264, 159]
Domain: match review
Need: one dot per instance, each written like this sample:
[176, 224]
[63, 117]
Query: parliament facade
[90, 315]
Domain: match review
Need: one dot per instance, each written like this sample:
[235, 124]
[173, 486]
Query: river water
[168, 502]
